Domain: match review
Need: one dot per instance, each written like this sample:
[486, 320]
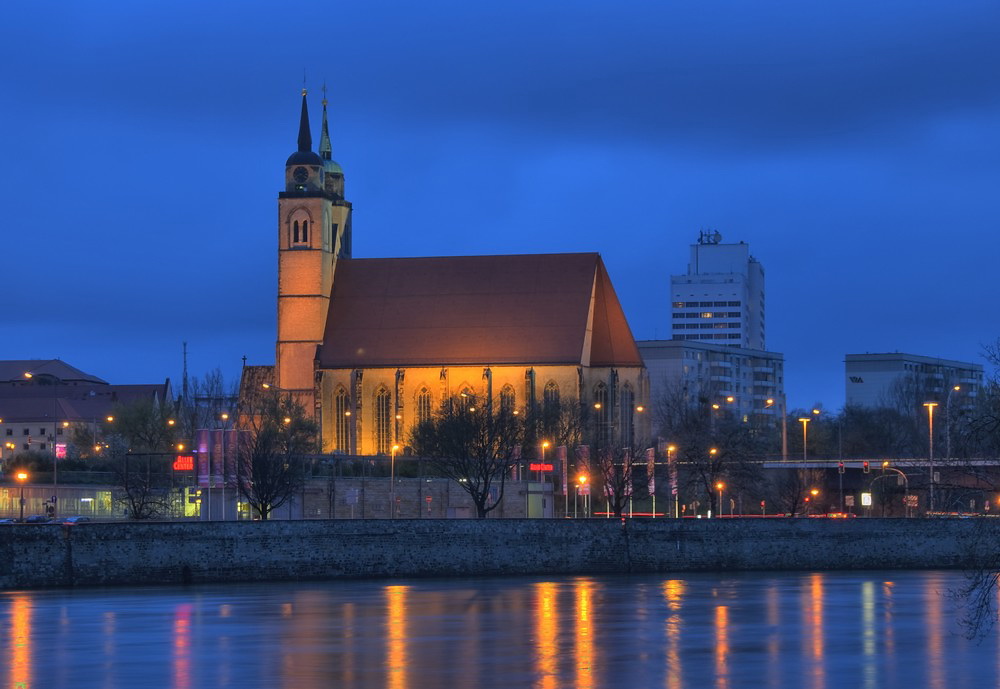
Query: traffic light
[840, 468]
[866, 467]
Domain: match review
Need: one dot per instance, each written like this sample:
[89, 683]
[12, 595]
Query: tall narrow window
[423, 405]
[295, 232]
[507, 400]
[551, 397]
[628, 415]
[601, 412]
[341, 440]
[383, 423]
[305, 231]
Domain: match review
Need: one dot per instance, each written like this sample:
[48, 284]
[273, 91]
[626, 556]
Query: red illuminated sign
[184, 463]
[540, 467]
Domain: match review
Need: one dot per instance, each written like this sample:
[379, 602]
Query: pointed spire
[305, 138]
[325, 150]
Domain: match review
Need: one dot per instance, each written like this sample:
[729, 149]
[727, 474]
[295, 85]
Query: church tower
[314, 231]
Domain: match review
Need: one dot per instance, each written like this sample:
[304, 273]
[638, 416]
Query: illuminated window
[423, 405]
[507, 400]
[383, 423]
[341, 440]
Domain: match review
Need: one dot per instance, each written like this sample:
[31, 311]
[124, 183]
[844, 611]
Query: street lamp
[930, 451]
[805, 434]
[947, 419]
[672, 471]
[581, 484]
[719, 486]
[392, 481]
[22, 476]
[784, 426]
[52, 445]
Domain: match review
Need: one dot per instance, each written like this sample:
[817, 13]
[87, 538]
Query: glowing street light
[719, 487]
[392, 481]
[805, 434]
[22, 476]
[930, 451]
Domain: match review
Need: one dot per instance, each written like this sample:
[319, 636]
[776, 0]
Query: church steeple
[325, 149]
[305, 137]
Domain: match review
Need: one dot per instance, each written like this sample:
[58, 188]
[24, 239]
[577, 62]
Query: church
[373, 346]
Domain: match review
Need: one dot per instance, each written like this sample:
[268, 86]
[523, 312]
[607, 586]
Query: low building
[883, 380]
[42, 400]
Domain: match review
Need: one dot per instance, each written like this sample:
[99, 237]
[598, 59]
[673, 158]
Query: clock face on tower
[300, 175]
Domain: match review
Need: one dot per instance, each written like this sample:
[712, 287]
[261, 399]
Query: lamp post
[672, 471]
[805, 435]
[22, 476]
[224, 417]
[930, 449]
[784, 427]
[581, 484]
[947, 420]
[719, 486]
[392, 481]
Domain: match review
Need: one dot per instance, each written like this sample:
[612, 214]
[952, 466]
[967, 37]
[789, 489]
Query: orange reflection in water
[869, 668]
[584, 634]
[19, 673]
[182, 646]
[813, 610]
[935, 654]
[396, 636]
[673, 591]
[722, 646]
[773, 598]
[546, 628]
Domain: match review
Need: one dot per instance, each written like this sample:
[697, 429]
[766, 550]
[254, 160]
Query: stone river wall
[96, 554]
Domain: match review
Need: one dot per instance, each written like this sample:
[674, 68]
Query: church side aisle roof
[458, 310]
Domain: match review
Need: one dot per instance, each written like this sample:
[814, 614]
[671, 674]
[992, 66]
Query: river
[816, 631]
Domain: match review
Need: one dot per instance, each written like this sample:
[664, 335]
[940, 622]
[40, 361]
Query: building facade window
[507, 400]
[601, 412]
[423, 405]
[628, 414]
[383, 422]
[341, 439]
[550, 397]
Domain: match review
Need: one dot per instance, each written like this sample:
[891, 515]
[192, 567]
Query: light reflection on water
[819, 631]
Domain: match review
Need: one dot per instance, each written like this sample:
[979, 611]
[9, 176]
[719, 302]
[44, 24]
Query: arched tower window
[601, 417]
[507, 400]
[423, 405]
[341, 439]
[628, 415]
[383, 422]
[298, 228]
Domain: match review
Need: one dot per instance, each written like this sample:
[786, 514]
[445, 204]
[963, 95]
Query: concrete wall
[130, 553]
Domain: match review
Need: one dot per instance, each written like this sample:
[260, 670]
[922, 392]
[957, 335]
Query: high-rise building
[720, 300]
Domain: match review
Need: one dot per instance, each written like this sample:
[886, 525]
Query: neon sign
[184, 463]
[540, 467]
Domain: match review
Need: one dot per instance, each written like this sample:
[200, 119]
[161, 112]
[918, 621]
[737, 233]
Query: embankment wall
[96, 554]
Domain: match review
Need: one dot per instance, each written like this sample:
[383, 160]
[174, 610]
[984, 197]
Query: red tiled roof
[491, 310]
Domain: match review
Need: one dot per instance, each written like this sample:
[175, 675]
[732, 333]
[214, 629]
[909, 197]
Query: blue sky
[853, 145]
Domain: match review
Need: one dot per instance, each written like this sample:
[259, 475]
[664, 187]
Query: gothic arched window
[507, 400]
[295, 232]
[423, 405]
[305, 231]
[383, 422]
[341, 439]
[628, 414]
[601, 418]
[550, 398]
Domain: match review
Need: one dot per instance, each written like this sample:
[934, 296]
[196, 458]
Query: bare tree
[275, 435]
[615, 465]
[792, 491]
[474, 445]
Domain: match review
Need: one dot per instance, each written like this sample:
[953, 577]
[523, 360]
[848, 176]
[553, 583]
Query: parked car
[37, 519]
[69, 521]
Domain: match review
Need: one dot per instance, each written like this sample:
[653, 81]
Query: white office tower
[721, 298]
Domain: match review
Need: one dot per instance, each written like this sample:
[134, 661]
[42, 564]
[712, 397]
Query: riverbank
[101, 554]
